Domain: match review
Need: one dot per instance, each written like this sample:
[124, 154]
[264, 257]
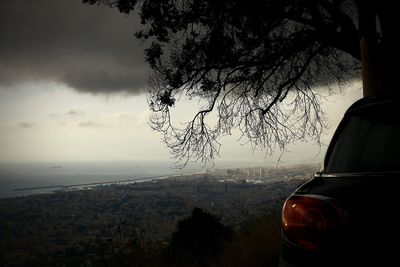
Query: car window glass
[367, 143]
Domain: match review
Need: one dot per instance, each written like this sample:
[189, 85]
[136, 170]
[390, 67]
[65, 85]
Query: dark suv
[348, 214]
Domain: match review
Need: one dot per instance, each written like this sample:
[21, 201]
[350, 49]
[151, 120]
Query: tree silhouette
[198, 239]
[255, 64]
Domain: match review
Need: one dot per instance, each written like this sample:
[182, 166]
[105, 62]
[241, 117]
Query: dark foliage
[254, 64]
[198, 240]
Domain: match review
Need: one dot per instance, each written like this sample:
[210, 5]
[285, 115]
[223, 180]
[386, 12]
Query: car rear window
[369, 141]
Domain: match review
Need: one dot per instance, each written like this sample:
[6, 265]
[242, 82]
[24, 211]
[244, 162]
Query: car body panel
[368, 198]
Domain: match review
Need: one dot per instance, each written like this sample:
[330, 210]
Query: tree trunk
[369, 49]
[380, 48]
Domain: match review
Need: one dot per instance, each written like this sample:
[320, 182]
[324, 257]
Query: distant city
[70, 225]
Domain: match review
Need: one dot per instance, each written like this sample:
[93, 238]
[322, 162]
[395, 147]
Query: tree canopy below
[256, 64]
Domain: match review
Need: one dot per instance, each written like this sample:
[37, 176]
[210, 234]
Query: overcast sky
[73, 83]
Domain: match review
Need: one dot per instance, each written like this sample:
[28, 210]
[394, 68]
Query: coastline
[39, 190]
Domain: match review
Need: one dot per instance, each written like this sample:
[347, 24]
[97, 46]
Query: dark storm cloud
[100, 81]
[89, 48]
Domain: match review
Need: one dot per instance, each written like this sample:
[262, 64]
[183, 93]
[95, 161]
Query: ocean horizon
[47, 174]
[31, 175]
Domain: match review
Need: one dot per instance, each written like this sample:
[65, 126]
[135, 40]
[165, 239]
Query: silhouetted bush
[198, 240]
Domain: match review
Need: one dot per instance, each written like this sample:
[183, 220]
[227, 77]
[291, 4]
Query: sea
[59, 176]
[17, 176]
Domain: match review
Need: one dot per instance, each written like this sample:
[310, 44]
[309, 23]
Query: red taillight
[311, 221]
